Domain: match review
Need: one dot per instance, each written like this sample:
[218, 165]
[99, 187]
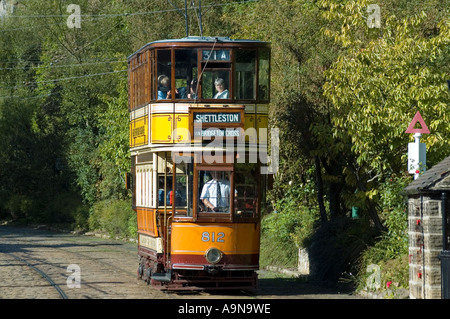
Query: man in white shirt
[216, 193]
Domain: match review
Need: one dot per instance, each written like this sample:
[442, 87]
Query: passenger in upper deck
[222, 93]
[164, 91]
[193, 90]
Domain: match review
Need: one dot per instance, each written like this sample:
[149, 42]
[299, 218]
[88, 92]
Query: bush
[115, 217]
[285, 230]
[64, 209]
[18, 206]
[390, 252]
[336, 246]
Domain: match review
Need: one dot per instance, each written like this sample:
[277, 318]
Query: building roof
[436, 179]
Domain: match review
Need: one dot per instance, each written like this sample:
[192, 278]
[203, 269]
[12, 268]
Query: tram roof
[201, 40]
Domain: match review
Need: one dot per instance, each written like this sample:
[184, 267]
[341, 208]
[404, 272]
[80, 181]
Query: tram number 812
[207, 237]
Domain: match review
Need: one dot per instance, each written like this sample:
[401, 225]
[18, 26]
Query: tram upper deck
[213, 81]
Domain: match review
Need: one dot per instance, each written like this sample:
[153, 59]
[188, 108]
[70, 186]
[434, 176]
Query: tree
[383, 79]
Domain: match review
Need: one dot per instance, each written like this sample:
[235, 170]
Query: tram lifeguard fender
[239, 243]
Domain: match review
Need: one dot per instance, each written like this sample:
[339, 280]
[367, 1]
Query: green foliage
[395, 215]
[379, 84]
[294, 221]
[58, 87]
[390, 252]
[287, 229]
[115, 217]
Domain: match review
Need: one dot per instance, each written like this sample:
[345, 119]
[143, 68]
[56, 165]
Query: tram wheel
[149, 276]
[140, 271]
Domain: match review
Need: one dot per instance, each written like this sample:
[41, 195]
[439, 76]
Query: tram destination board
[229, 117]
[217, 123]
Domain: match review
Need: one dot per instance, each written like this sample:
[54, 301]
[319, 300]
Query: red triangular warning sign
[418, 118]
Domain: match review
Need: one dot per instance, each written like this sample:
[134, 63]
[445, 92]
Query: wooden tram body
[181, 135]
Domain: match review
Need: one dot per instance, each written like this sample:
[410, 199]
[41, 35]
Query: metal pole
[200, 16]
[186, 18]
[417, 137]
[444, 221]
[444, 256]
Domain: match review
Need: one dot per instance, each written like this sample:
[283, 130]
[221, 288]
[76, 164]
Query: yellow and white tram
[198, 122]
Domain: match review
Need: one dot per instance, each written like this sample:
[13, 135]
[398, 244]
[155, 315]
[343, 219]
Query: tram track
[111, 266]
[106, 268]
[42, 274]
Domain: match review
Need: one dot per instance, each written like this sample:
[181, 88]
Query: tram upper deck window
[245, 75]
[164, 64]
[186, 73]
[216, 83]
[263, 75]
[216, 66]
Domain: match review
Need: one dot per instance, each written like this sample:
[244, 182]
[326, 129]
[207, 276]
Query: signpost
[417, 152]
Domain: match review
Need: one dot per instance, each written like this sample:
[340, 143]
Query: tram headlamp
[213, 255]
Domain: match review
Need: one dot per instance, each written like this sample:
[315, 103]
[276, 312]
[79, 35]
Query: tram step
[162, 276]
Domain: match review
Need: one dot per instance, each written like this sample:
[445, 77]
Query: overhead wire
[125, 14]
[62, 65]
[61, 79]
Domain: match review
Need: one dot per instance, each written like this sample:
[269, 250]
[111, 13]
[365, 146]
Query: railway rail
[43, 275]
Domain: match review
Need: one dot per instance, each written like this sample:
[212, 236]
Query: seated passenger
[193, 90]
[222, 93]
[164, 92]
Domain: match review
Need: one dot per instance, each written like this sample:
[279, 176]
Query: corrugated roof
[435, 179]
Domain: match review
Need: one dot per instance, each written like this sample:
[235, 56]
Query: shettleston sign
[217, 123]
[231, 117]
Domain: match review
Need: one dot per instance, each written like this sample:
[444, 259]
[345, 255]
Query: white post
[416, 156]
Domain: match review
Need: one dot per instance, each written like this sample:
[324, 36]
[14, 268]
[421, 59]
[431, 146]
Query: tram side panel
[150, 211]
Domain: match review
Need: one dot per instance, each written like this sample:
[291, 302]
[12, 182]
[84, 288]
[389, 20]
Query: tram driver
[216, 193]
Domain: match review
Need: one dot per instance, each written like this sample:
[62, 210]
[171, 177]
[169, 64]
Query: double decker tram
[198, 124]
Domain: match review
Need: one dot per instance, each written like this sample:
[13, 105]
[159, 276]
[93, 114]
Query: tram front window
[216, 85]
[216, 74]
[214, 190]
[186, 74]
